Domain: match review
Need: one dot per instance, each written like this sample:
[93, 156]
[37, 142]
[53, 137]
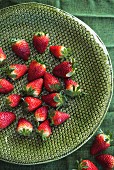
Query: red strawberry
[41, 113]
[21, 48]
[58, 117]
[13, 100]
[101, 142]
[5, 86]
[86, 165]
[40, 41]
[34, 88]
[36, 70]
[32, 103]
[6, 118]
[16, 71]
[59, 51]
[51, 83]
[106, 160]
[2, 56]
[44, 129]
[24, 127]
[65, 69]
[72, 87]
[54, 99]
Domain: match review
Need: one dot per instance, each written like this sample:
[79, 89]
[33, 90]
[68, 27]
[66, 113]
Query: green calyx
[75, 91]
[107, 137]
[66, 52]
[43, 135]
[39, 60]
[14, 40]
[74, 68]
[60, 99]
[81, 165]
[8, 102]
[28, 91]
[25, 132]
[55, 87]
[9, 71]
[40, 33]
[50, 116]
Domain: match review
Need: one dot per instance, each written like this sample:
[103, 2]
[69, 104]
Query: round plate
[94, 74]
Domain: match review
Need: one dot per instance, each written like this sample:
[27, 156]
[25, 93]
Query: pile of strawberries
[100, 143]
[38, 78]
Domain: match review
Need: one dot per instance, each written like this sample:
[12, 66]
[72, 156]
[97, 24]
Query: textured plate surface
[94, 74]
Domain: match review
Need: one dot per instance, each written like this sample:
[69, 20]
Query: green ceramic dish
[94, 74]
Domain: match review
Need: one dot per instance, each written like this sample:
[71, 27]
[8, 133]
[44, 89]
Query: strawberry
[40, 41]
[54, 99]
[44, 129]
[36, 70]
[6, 118]
[58, 117]
[13, 100]
[65, 69]
[106, 160]
[34, 88]
[16, 71]
[86, 165]
[51, 83]
[2, 56]
[72, 87]
[24, 127]
[59, 51]
[101, 142]
[21, 48]
[41, 113]
[5, 86]
[31, 103]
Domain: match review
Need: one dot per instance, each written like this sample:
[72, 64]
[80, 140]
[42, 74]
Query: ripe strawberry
[44, 129]
[101, 142]
[40, 41]
[41, 113]
[2, 56]
[86, 165]
[51, 83]
[6, 118]
[13, 100]
[24, 127]
[72, 87]
[21, 48]
[16, 71]
[5, 86]
[59, 51]
[54, 99]
[106, 160]
[34, 88]
[32, 103]
[58, 117]
[36, 70]
[65, 69]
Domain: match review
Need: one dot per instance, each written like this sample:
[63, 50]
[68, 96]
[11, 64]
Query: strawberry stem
[40, 33]
[14, 40]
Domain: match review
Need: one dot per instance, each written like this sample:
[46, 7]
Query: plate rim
[100, 42]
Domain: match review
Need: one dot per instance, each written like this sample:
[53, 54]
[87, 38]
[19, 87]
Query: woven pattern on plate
[93, 74]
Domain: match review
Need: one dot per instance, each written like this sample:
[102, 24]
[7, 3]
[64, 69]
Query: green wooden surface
[99, 15]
